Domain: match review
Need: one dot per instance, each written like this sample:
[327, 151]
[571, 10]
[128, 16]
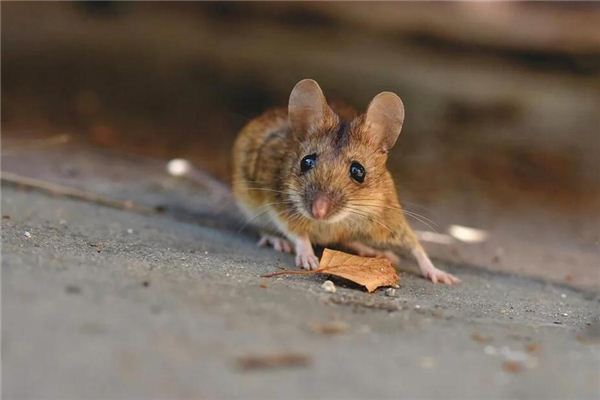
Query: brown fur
[267, 181]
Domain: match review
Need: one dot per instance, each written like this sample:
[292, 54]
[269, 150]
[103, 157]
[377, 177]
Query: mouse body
[304, 175]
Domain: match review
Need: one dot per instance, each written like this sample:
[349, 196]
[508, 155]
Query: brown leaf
[369, 272]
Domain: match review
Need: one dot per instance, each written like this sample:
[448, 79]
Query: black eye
[308, 162]
[357, 172]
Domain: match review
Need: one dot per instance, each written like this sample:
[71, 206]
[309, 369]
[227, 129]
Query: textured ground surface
[105, 303]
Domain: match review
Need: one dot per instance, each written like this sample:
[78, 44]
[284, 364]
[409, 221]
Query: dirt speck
[533, 348]
[482, 339]
[514, 367]
[273, 361]
[72, 289]
[330, 328]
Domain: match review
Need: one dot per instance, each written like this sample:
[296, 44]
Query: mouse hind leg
[398, 233]
[364, 250]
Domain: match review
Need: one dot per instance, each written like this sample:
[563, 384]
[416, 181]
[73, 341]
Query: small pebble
[565, 314]
[417, 307]
[27, 234]
[130, 231]
[328, 286]
[178, 167]
[390, 292]
[564, 296]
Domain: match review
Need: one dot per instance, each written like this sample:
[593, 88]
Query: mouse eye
[357, 172]
[308, 162]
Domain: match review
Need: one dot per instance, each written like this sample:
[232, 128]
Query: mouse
[307, 175]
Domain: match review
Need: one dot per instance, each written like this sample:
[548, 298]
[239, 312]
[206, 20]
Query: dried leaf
[369, 272]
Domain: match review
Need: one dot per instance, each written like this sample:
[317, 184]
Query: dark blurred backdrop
[502, 99]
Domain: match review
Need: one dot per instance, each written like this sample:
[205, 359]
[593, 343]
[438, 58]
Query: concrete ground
[105, 303]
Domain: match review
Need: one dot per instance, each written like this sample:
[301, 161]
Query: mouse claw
[307, 261]
[438, 276]
[429, 271]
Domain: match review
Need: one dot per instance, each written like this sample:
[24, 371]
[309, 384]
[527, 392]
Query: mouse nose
[321, 206]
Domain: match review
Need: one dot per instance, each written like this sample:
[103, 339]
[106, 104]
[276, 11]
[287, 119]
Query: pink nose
[320, 206]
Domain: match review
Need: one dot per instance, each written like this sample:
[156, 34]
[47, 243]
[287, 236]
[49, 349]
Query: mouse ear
[384, 118]
[308, 109]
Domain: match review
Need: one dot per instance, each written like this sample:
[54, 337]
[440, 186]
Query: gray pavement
[99, 303]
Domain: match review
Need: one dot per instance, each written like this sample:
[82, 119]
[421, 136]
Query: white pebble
[178, 167]
[565, 314]
[562, 295]
[390, 292]
[27, 234]
[130, 231]
[513, 355]
[490, 350]
[328, 286]
[417, 307]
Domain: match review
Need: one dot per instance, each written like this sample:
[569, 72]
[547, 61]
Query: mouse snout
[321, 205]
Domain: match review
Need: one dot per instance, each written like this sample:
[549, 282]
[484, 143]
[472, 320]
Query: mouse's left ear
[384, 119]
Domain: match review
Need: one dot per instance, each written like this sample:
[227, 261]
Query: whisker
[267, 209]
[367, 216]
[418, 217]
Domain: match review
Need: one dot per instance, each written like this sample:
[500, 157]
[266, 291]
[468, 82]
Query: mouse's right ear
[308, 109]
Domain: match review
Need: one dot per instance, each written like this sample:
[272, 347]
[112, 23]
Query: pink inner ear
[308, 109]
[384, 118]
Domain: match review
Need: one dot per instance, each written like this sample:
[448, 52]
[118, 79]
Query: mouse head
[338, 169]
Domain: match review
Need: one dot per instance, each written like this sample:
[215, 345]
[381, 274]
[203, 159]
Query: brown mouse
[305, 176]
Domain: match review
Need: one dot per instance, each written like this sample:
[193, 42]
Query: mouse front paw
[307, 261]
[305, 255]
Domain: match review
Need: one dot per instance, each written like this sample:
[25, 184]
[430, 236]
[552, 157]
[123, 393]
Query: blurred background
[502, 99]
